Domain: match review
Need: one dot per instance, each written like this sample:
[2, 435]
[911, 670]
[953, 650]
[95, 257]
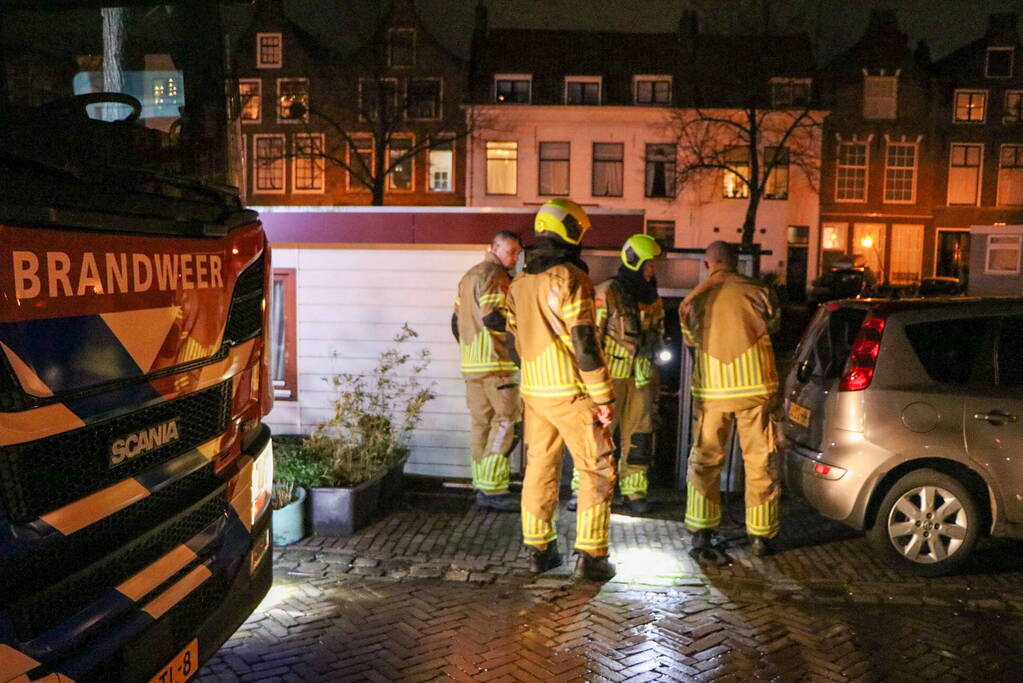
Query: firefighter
[479, 324]
[728, 320]
[566, 390]
[630, 325]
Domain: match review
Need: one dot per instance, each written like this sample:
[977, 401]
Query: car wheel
[927, 523]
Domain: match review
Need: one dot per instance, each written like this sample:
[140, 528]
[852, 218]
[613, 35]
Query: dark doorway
[953, 258]
[795, 272]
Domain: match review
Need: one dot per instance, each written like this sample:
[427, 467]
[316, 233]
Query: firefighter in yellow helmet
[479, 325]
[728, 320]
[566, 391]
[630, 326]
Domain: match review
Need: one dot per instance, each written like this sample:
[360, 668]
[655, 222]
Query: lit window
[970, 106]
[1003, 253]
[582, 90]
[880, 97]
[269, 164]
[309, 164]
[737, 161]
[250, 91]
[167, 96]
[1013, 106]
[790, 92]
[360, 162]
[513, 88]
[999, 62]
[777, 184]
[1010, 176]
[292, 100]
[834, 236]
[554, 164]
[655, 90]
[401, 47]
[659, 176]
[374, 93]
[964, 174]
[424, 99]
[268, 51]
[502, 167]
[851, 172]
[608, 169]
[900, 173]
[442, 164]
[283, 345]
[399, 162]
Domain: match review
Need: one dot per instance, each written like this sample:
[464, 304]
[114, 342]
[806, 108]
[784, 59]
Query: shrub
[294, 466]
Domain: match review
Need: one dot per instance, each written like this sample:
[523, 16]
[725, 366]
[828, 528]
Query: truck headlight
[664, 356]
[262, 481]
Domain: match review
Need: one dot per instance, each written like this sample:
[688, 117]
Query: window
[251, 96]
[608, 164]
[829, 340]
[880, 97]
[292, 100]
[373, 93]
[663, 232]
[554, 163]
[790, 92]
[1002, 255]
[652, 90]
[900, 173]
[659, 175]
[777, 184]
[361, 159]
[513, 88]
[737, 160]
[869, 242]
[502, 167]
[441, 159]
[424, 98]
[999, 62]
[964, 174]
[268, 51]
[269, 163]
[947, 349]
[1009, 360]
[582, 90]
[907, 254]
[834, 237]
[283, 345]
[1010, 176]
[1013, 106]
[401, 47]
[851, 173]
[970, 106]
[400, 175]
[308, 169]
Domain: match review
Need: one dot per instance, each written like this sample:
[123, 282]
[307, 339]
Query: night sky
[944, 24]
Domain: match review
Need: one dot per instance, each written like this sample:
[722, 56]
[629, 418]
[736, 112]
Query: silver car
[905, 419]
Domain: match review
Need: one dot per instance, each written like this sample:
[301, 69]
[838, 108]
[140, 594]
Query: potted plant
[294, 469]
[363, 445]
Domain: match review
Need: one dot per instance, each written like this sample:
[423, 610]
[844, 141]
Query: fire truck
[135, 469]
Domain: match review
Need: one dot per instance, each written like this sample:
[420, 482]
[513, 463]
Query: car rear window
[948, 349]
[1010, 352]
[831, 339]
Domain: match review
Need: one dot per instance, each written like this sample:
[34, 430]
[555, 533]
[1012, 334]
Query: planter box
[289, 521]
[341, 512]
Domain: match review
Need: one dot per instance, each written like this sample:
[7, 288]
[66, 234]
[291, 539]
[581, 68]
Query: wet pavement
[440, 590]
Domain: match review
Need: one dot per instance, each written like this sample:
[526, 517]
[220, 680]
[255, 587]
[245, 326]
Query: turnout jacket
[551, 314]
[728, 320]
[480, 320]
[629, 332]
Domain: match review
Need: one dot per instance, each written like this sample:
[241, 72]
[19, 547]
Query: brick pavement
[439, 590]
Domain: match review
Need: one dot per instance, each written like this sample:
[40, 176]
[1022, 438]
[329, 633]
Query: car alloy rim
[927, 524]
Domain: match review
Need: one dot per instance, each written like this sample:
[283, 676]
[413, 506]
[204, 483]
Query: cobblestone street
[439, 590]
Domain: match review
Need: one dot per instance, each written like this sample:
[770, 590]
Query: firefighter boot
[593, 568]
[639, 506]
[502, 503]
[544, 560]
[760, 546]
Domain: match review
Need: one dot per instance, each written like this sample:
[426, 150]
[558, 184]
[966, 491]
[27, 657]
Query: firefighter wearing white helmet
[630, 326]
[566, 390]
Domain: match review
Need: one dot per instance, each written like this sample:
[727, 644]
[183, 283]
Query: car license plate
[799, 414]
[182, 667]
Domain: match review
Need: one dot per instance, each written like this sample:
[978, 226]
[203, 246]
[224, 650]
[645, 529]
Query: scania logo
[143, 441]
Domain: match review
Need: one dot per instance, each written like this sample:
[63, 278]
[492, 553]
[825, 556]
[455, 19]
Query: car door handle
[996, 418]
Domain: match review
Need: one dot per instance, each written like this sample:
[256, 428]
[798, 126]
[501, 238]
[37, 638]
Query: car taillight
[863, 356]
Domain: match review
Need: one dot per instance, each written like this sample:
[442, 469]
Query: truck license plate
[182, 667]
[799, 414]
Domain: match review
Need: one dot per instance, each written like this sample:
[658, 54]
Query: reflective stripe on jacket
[481, 292]
[629, 332]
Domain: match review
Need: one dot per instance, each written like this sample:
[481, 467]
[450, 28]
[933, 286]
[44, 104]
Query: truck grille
[43, 475]
[245, 319]
[110, 551]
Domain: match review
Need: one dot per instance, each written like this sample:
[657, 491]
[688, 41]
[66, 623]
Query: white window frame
[652, 78]
[429, 169]
[987, 61]
[1018, 239]
[440, 99]
[779, 80]
[349, 152]
[1008, 116]
[241, 102]
[486, 168]
[599, 80]
[916, 165]
[980, 172]
[865, 167]
[955, 105]
[390, 45]
[362, 117]
[412, 161]
[260, 64]
[295, 189]
[277, 101]
[282, 161]
[1001, 149]
[512, 77]
[894, 80]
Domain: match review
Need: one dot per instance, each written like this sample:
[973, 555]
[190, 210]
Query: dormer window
[880, 97]
[652, 90]
[999, 62]
[401, 47]
[582, 90]
[790, 92]
[513, 88]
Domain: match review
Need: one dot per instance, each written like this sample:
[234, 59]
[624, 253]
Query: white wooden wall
[350, 303]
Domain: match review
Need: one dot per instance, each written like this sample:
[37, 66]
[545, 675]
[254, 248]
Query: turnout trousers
[493, 402]
[712, 424]
[549, 426]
